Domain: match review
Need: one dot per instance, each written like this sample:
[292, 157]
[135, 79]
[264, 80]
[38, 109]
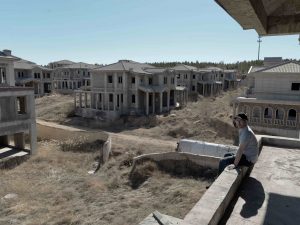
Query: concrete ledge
[211, 207]
[200, 160]
[282, 142]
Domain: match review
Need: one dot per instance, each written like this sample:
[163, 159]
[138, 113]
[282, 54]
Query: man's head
[240, 120]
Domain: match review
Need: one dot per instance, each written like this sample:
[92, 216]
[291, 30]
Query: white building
[273, 99]
[68, 78]
[29, 74]
[129, 87]
[17, 111]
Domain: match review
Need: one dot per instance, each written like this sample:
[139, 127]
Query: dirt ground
[207, 119]
[54, 188]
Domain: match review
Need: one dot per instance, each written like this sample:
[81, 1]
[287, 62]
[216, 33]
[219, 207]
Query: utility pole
[259, 41]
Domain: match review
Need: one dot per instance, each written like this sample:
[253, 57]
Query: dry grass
[208, 119]
[54, 188]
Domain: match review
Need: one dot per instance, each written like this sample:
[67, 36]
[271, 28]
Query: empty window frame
[110, 79]
[120, 80]
[295, 86]
[21, 105]
[292, 114]
[133, 80]
[133, 99]
[165, 80]
[111, 97]
[150, 81]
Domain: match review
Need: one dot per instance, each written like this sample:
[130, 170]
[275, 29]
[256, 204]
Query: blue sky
[105, 31]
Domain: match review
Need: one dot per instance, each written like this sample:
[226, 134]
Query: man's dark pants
[229, 159]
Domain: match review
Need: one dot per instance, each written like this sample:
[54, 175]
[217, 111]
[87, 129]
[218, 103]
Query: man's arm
[239, 153]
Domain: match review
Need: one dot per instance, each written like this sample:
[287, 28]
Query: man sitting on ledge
[247, 153]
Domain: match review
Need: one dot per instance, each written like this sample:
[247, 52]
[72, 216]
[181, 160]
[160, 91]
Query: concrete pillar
[75, 94]
[153, 102]
[105, 82]
[19, 140]
[32, 127]
[114, 101]
[147, 103]
[4, 140]
[102, 100]
[80, 99]
[85, 100]
[97, 100]
[91, 100]
[160, 102]
[168, 100]
[137, 100]
[115, 82]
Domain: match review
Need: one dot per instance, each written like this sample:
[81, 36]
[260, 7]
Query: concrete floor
[271, 195]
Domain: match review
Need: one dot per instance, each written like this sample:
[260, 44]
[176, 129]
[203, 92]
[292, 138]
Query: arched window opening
[268, 113]
[292, 114]
[279, 114]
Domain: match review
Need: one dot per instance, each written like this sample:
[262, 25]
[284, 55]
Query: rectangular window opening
[21, 105]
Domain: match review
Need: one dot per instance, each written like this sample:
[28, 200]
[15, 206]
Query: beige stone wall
[271, 115]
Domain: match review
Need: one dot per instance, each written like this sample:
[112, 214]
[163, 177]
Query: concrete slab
[8, 152]
[271, 195]
[156, 218]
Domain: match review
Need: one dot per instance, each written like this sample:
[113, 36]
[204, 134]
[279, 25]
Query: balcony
[291, 123]
[279, 122]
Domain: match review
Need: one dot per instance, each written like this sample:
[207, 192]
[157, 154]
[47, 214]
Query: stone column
[97, 100]
[147, 103]
[85, 100]
[114, 101]
[32, 127]
[160, 102]
[102, 100]
[80, 99]
[91, 100]
[153, 102]
[75, 95]
[168, 100]
[19, 140]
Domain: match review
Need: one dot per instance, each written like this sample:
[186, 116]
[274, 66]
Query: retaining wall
[48, 130]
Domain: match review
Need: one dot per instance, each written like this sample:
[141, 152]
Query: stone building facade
[29, 74]
[273, 100]
[60, 63]
[129, 88]
[17, 111]
[68, 78]
[209, 81]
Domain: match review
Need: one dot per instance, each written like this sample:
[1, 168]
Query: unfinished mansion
[129, 88]
[272, 99]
